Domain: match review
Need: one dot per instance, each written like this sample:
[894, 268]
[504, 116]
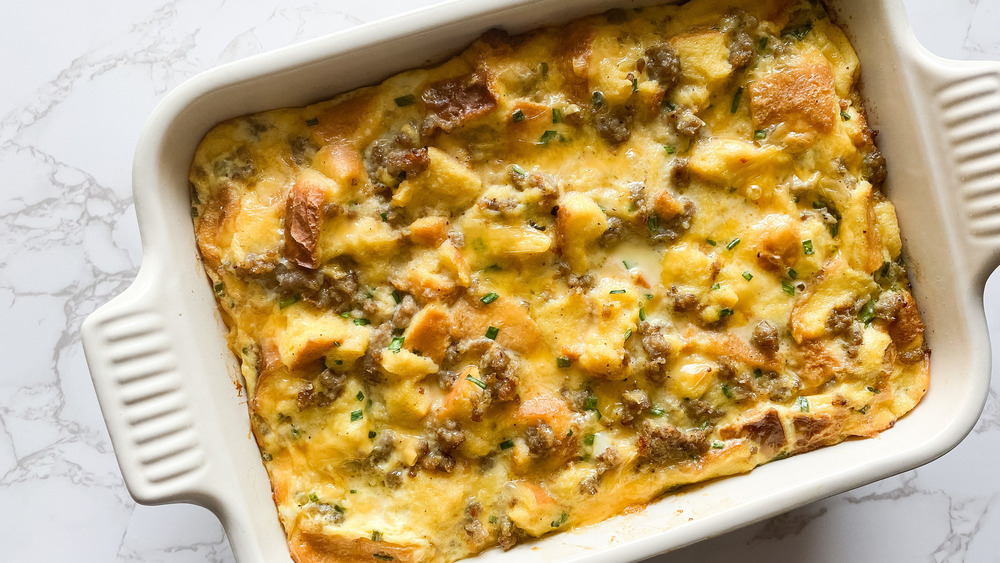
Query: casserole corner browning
[558, 275]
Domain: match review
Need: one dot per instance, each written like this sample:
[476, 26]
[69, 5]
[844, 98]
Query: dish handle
[967, 97]
[130, 348]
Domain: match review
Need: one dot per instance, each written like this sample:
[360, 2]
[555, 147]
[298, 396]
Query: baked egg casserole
[557, 276]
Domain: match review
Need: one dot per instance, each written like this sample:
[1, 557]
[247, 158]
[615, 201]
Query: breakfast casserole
[557, 276]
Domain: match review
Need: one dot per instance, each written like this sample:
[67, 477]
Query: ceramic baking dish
[167, 383]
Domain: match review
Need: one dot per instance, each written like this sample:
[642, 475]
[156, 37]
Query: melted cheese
[557, 276]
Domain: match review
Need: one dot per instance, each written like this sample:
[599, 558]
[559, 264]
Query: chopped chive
[518, 116]
[356, 415]
[491, 332]
[873, 390]
[835, 229]
[506, 444]
[793, 274]
[627, 265]
[787, 288]
[370, 293]
[545, 71]
[628, 334]
[360, 395]
[382, 556]
[588, 439]
[494, 519]
[653, 222]
[597, 98]
[194, 211]
[845, 116]
[670, 149]
[758, 373]
[649, 297]
[407, 100]
[311, 122]
[376, 535]
[885, 269]
[726, 312]
[716, 286]
[617, 291]
[635, 84]
[362, 322]
[711, 242]
[669, 105]
[762, 44]
[313, 497]
[562, 520]
[267, 457]
[747, 276]
[346, 314]
[338, 362]
[396, 297]
[736, 100]
[220, 289]
[562, 362]
[590, 404]
[489, 297]
[285, 303]
[570, 433]
[339, 508]
[717, 445]
[760, 134]
[518, 170]
[396, 345]
[864, 409]
[818, 204]
[384, 216]
[557, 115]
[642, 313]
[372, 434]
[799, 31]
[867, 312]
[732, 244]
[803, 404]
[726, 392]
[807, 247]
[657, 411]
[547, 136]
[476, 382]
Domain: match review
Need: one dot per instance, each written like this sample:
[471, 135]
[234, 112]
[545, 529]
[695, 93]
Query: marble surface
[80, 78]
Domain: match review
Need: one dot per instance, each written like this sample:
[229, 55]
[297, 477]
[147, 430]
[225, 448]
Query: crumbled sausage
[841, 318]
[614, 234]
[330, 513]
[701, 412]
[508, 534]
[874, 167]
[663, 65]
[404, 312]
[739, 24]
[657, 347]
[449, 435]
[309, 397]
[683, 302]
[765, 337]
[383, 448]
[393, 479]
[540, 439]
[332, 382]
[614, 125]
[688, 124]
[500, 374]
[473, 525]
[634, 403]
[608, 460]
[670, 230]
[665, 445]
[237, 165]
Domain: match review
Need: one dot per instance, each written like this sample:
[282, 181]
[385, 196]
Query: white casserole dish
[165, 378]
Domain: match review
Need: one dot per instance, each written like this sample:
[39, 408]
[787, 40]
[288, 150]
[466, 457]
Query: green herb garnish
[506, 444]
[736, 100]
[492, 332]
[285, 303]
[760, 134]
[562, 520]
[803, 404]
[642, 313]
[407, 100]
[670, 149]
[793, 274]
[845, 116]
[726, 392]
[717, 445]
[711, 242]
[547, 136]
[376, 535]
[597, 98]
[807, 247]
[732, 244]
[617, 291]
[518, 116]
[588, 439]
[362, 322]
[747, 276]
[557, 115]
[396, 345]
[356, 415]
[476, 382]
[787, 288]
[489, 297]
[562, 362]
[726, 312]
[657, 411]
[360, 395]
[311, 122]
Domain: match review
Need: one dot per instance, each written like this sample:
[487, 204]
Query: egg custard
[558, 275]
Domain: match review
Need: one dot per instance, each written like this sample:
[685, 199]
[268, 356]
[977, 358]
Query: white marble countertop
[80, 78]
